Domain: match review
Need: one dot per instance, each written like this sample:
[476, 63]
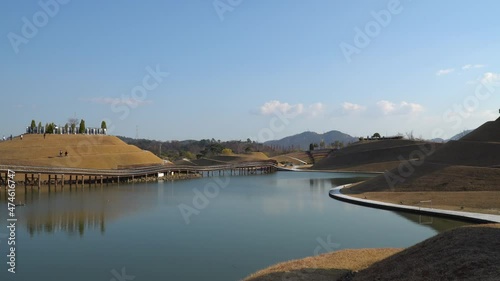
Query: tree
[410, 136]
[50, 128]
[103, 125]
[311, 147]
[322, 144]
[338, 144]
[39, 127]
[66, 127]
[227, 151]
[33, 125]
[72, 123]
[82, 127]
[376, 136]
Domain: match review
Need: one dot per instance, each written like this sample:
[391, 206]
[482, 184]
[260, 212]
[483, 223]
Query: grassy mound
[327, 267]
[470, 164]
[465, 253]
[372, 156]
[84, 151]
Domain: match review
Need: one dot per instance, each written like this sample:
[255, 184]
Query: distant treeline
[195, 149]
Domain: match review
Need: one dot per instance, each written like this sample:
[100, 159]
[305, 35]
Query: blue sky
[259, 69]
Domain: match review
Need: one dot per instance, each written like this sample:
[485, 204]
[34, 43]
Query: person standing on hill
[21, 136]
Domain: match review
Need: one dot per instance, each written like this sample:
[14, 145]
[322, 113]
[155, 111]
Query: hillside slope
[466, 253]
[84, 151]
[378, 155]
[469, 164]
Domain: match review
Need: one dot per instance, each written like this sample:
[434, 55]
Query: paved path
[476, 217]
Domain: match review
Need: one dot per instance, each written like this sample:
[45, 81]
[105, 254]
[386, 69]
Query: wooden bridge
[60, 176]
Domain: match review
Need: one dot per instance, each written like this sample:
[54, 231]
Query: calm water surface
[138, 230]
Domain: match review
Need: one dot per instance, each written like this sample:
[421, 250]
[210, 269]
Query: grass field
[84, 151]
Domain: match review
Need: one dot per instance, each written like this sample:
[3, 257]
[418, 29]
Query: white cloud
[275, 106]
[118, 101]
[315, 109]
[490, 78]
[445, 71]
[470, 66]
[352, 107]
[390, 108]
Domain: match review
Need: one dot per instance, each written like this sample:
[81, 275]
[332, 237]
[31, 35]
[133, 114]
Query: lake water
[138, 232]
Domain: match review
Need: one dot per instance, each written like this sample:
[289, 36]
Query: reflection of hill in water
[438, 225]
[77, 210]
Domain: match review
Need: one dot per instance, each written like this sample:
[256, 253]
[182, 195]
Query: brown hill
[466, 253]
[84, 151]
[373, 156]
[464, 165]
[458, 167]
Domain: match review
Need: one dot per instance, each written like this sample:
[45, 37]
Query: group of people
[11, 137]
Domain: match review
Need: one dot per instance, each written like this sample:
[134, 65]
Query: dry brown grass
[84, 151]
[487, 202]
[330, 266]
[374, 156]
[292, 158]
[466, 253]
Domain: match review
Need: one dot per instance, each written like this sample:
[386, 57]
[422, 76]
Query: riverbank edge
[335, 193]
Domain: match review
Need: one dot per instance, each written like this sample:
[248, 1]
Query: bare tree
[410, 136]
[73, 121]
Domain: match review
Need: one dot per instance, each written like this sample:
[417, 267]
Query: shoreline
[335, 193]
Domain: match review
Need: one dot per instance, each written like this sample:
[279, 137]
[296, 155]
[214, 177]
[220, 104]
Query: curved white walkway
[477, 217]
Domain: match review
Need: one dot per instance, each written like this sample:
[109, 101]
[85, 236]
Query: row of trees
[336, 144]
[50, 128]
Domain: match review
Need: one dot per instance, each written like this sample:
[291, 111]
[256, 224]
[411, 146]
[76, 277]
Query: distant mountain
[438, 140]
[303, 140]
[460, 135]
[454, 138]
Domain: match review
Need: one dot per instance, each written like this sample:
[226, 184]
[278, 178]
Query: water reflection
[77, 210]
